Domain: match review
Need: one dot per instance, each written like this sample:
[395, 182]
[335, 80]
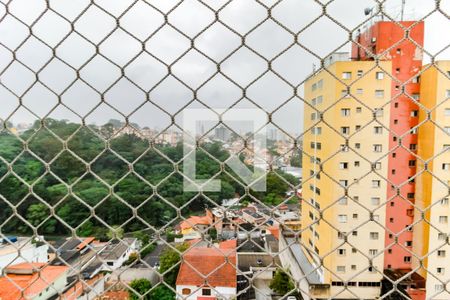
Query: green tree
[168, 259]
[281, 283]
[141, 286]
[36, 214]
[115, 233]
[162, 292]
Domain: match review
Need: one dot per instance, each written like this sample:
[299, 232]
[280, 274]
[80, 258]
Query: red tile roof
[31, 278]
[195, 220]
[229, 244]
[114, 295]
[208, 267]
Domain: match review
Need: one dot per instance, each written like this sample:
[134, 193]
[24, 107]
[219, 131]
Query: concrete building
[30, 251]
[117, 252]
[348, 246]
[432, 187]
[387, 40]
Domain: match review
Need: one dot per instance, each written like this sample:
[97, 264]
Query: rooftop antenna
[403, 10]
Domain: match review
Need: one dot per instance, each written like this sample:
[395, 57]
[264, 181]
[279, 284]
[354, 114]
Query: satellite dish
[367, 11]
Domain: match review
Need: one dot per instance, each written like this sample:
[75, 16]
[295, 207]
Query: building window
[441, 253]
[379, 112]
[344, 148]
[379, 93]
[316, 130]
[410, 195]
[412, 163]
[357, 145]
[377, 148]
[343, 165]
[186, 291]
[376, 183]
[378, 130]
[340, 269]
[375, 201]
[414, 113]
[358, 110]
[347, 75]
[438, 287]
[345, 130]
[320, 84]
[345, 94]
[380, 75]
[444, 201]
[359, 91]
[341, 235]
[447, 93]
[206, 292]
[314, 87]
[447, 129]
[407, 259]
[408, 243]
[440, 271]
[342, 252]
[413, 147]
[415, 96]
[377, 166]
[416, 79]
[360, 73]
[356, 163]
[343, 183]
[343, 201]
[357, 127]
[345, 112]
[441, 236]
[446, 166]
[342, 218]
[373, 252]
[443, 219]
[374, 235]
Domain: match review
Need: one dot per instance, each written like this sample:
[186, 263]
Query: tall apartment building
[432, 184]
[401, 43]
[344, 172]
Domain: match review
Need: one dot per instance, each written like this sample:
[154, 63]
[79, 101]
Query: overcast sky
[166, 44]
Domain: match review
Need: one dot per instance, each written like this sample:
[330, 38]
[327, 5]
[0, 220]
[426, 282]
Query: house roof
[208, 267]
[195, 220]
[228, 244]
[116, 248]
[29, 278]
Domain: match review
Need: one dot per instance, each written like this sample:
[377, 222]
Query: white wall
[57, 286]
[224, 292]
[29, 253]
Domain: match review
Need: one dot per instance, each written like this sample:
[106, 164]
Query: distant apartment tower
[432, 184]
[401, 43]
[344, 139]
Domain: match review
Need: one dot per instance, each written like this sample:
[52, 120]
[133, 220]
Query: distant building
[432, 186]
[36, 281]
[192, 227]
[203, 268]
[30, 251]
[117, 252]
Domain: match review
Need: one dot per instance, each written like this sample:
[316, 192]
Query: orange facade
[402, 44]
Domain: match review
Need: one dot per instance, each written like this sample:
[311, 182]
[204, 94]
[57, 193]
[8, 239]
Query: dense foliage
[84, 176]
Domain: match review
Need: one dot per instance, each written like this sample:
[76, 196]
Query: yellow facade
[432, 184]
[346, 158]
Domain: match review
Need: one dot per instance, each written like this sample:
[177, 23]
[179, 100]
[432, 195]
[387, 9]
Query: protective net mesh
[356, 163]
